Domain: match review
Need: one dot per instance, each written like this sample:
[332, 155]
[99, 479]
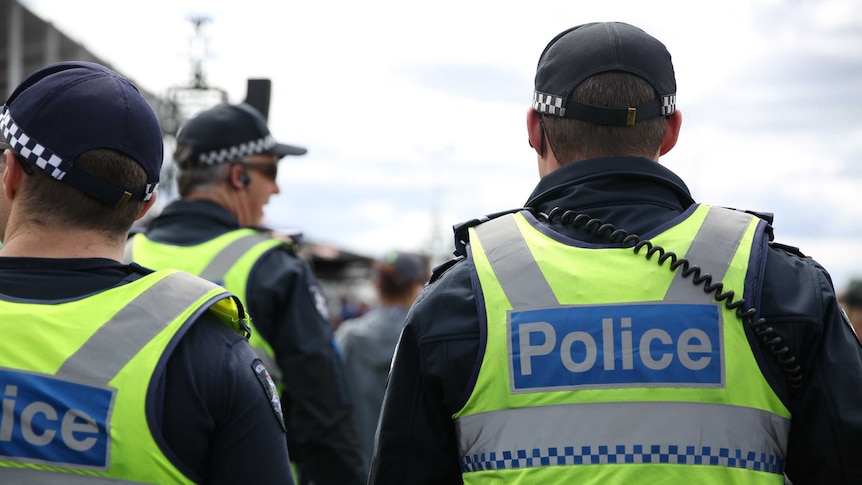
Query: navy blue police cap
[225, 133]
[65, 109]
[589, 49]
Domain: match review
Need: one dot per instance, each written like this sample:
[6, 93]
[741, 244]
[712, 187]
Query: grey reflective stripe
[629, 432]
[512, 262]
[229, 255]
[130, 329]
[50, 477]
[712, 250]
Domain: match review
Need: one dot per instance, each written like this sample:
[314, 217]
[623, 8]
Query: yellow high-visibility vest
[601, 366]
[75, 378]
[226, 260]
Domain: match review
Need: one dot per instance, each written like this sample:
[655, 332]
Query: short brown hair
[51, 201]
[573, 140]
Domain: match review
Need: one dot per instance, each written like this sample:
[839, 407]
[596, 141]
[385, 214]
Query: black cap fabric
[67, 108]
[408, 267]
[589, 49]
[227, 132]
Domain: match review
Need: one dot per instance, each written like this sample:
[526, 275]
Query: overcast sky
[414, 113]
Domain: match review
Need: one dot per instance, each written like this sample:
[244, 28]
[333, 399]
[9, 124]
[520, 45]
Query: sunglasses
[268, 169]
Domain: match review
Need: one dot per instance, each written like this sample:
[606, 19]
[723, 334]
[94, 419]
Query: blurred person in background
[851, 301]
[561, 345]
[228, 165]
[367, 341]
[110, 372]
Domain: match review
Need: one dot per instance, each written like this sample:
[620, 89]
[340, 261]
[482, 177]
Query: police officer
[228, 163]
[614, 330]
[110, 372]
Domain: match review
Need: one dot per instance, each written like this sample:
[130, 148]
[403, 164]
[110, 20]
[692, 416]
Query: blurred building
[27, 42]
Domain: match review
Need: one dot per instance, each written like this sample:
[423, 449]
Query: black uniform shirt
[287, 308]
[216, 421]
[437, 359]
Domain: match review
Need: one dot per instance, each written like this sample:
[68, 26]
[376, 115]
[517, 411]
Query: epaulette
[767, 217]
[290, 239]
[462, 230]
[441, 268]
[788, 249]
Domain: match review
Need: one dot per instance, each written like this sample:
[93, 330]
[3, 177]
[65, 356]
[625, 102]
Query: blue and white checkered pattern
[668, 104]
[549, 104]
[30, 148]
[555, 105]
[39, 154]
[622, 454]
[223, 155]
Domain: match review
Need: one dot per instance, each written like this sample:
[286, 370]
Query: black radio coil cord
[766, 334]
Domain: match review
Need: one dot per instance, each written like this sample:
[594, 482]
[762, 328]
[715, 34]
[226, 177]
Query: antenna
[198, 95]
[199, 50]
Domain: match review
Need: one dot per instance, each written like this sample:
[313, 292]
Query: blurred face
[262, 171]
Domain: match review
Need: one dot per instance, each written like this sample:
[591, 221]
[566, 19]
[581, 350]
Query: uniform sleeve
[288, 310]
[825, 443]
[218, 417]
[433, 362]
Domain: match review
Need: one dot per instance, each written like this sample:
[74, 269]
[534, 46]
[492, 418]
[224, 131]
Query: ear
[237, 177]
[534, 131]
[671, 133]
[147, 205]
[13, 174]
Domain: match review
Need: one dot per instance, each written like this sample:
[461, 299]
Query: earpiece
[244, 178]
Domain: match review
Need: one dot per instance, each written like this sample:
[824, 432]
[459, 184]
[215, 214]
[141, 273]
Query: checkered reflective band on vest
[77, 416]
[598, 356]
[707, 434]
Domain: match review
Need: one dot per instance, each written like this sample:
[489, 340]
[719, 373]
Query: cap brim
[282, 150]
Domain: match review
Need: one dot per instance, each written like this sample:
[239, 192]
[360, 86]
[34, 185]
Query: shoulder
[208, 335]
[795, 284]
[280, 262]
[348, 330]
[447, 305]
[208, 360]
[219, 361]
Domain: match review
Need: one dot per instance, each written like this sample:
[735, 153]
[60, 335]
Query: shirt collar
[584, 171]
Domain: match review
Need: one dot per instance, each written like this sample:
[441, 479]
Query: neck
[229, 199]
[61, 243]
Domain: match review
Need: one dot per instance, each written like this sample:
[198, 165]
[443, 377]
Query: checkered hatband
[30, 148]
[223, 155]
[40, 155]
[549, 104]
[668, 104]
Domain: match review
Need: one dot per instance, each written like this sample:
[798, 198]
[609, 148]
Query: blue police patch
[270, 389]
[50, 421]
[635, 345]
